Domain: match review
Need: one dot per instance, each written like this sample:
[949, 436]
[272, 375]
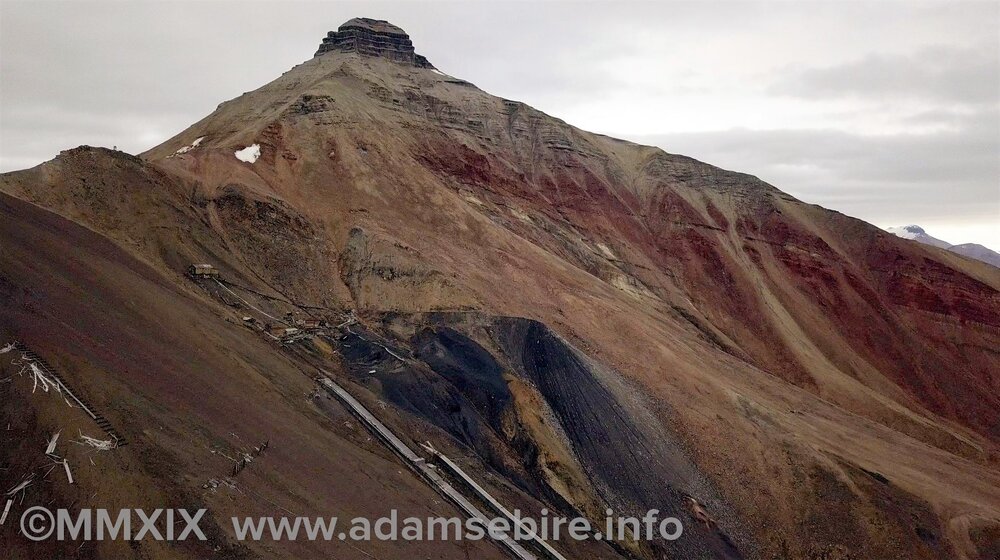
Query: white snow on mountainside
[917, 233]
[971, 250]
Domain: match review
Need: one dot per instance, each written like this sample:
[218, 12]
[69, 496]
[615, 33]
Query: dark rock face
[373, 37]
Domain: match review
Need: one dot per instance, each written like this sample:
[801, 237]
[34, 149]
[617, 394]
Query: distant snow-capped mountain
[971, 250]
[917, 233]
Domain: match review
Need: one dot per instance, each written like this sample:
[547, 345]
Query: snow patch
[248, 154]
[439, 73]
[191, 146]
[906, 232]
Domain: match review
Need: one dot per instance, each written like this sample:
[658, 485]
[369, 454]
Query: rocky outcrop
[373, 37]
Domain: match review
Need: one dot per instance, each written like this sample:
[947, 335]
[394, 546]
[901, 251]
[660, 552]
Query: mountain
[580, 321]
[978, 252]
[971, 250]
[917, 233]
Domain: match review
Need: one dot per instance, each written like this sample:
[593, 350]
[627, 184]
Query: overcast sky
[888, 111]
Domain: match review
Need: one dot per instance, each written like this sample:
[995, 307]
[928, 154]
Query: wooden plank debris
[33, 359]
[51, 449]
[99, 444]
[6, 510]
[24, 484]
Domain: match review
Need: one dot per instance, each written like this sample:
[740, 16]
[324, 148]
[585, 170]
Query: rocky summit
[580, 322]
[373, 37]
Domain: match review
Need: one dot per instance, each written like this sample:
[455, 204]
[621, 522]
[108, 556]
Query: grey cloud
[940, 73]
[135, 73]
[173, 62]
[884, 178]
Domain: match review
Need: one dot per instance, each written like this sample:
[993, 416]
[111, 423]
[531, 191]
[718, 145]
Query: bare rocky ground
[585, 322]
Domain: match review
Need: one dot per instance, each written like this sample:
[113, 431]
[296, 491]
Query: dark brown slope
[186, 389]
[718, 246]
[835, 387]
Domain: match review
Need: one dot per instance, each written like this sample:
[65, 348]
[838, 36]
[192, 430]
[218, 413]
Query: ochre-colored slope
[367, 142]
[188, 391]
[796, 353]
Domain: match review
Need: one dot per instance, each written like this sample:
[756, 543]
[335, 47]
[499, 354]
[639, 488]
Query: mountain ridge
[971, 250]
[787, 352]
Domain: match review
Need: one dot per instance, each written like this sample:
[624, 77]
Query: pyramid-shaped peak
[373, 37]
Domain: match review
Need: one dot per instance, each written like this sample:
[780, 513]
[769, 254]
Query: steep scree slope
[829, 389]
